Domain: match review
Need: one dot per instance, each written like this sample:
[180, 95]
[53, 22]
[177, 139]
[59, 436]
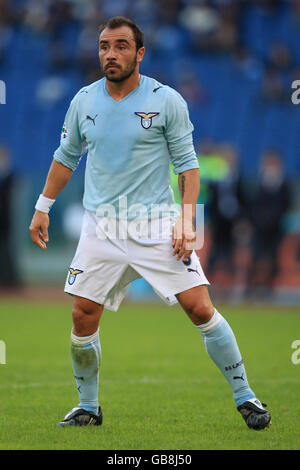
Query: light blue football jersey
[130, 144]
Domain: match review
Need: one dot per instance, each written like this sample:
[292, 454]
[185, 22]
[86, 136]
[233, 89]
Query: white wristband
[44, 204]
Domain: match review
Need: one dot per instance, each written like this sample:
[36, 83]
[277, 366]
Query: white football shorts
[110, 256]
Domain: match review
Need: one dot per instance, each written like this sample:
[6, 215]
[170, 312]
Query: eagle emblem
[146, 119]
[72, 275]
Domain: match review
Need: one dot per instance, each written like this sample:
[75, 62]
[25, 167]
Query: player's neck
[118, 91]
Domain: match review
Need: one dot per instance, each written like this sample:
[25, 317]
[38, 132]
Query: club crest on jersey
[72, 275]
[146, 119]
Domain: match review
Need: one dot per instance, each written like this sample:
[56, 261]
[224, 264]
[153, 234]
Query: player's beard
[125, 73]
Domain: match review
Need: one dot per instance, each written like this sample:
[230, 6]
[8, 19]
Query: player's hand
[39, 229]
[183, 238]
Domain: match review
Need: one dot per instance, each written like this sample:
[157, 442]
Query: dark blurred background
[233, 61]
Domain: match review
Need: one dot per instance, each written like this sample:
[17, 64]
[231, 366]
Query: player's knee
[201, 312]
[85, 316]
[79, 318]
[77, 314]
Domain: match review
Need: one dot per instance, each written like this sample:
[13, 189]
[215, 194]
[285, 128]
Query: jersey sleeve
[72, 146]
[179, 134]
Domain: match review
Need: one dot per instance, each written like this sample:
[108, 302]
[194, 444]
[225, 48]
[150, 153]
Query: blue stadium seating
[233, 112]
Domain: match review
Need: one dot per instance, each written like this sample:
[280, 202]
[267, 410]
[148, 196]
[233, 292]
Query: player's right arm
[57, 179]
[66, 158]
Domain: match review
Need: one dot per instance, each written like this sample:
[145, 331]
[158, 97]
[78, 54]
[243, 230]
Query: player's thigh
[196, 302]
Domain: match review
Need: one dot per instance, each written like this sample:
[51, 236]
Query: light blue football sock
[86, 356]
[221, 346]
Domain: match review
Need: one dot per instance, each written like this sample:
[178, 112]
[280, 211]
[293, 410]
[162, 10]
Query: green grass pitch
[158, 387]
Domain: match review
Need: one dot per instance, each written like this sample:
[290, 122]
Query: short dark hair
[118, 21]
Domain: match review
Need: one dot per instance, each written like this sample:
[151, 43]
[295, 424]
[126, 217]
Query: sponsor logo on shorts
[72, 275]
[190, 270]
[188, 262]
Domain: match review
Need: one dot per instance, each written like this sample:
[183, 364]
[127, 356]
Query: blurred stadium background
[233, 61]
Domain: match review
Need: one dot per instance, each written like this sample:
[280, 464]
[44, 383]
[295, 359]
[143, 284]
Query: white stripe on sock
[84, 339]
[214, 321]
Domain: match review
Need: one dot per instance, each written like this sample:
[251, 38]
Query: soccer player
[133, 127]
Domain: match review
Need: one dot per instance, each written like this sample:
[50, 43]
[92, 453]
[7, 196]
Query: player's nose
[111, 54]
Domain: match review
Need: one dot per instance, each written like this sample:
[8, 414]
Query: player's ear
[140, 54]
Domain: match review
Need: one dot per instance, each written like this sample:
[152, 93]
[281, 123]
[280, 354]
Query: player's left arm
[178, 133]
[183, 233]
